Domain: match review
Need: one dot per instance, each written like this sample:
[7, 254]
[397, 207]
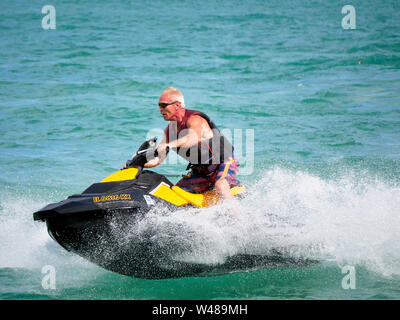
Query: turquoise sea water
[323, 103]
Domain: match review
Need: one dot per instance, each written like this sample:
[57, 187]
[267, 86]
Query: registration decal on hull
[148, 199]
[114, 197]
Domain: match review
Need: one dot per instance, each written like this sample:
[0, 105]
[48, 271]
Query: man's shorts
[199, 183]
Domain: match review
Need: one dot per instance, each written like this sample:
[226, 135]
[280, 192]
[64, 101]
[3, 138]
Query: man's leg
[226, 178]
[224, 189]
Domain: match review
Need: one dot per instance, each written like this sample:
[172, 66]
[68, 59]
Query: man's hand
[162, 146]
[163, 149]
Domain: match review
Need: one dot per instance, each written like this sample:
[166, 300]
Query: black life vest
[209, 151]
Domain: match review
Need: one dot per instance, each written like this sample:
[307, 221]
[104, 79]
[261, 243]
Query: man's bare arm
[197, 126]
[162, 154]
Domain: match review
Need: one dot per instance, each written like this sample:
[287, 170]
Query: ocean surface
[320, 103]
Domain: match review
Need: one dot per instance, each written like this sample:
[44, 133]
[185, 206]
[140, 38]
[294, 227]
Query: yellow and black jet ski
[97, 224]
[85, 223]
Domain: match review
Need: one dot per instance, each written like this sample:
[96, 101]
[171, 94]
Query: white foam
[352, 219]
[25, 243]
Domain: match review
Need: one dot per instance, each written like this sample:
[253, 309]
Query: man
[196, 138]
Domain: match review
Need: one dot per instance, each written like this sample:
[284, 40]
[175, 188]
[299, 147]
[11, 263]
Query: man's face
[169, 111]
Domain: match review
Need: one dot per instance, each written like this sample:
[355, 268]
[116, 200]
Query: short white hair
[177, 94]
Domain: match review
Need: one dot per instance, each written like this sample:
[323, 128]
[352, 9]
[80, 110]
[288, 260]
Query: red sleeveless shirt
[214, 150]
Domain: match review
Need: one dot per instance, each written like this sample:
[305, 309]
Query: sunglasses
[164, 105]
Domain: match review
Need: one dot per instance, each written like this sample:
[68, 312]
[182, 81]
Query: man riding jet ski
[197, 139]
[100, 224]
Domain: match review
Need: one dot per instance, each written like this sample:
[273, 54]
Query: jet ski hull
[99, 241]
[103, 238]
[101, 224]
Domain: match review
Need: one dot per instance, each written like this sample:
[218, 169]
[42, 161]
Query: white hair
[177, 94]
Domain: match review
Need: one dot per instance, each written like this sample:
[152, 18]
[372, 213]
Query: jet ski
[92, 224]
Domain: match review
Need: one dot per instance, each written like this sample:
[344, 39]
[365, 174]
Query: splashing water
[349, 220]
[354, 220]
